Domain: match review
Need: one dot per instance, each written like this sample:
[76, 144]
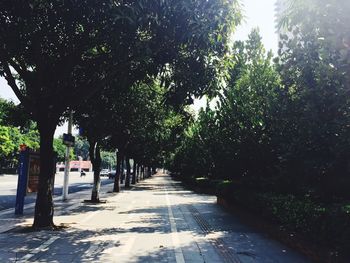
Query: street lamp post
[67, 160]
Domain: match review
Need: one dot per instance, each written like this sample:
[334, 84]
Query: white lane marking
[179, 257]
[39, 249]
[83, 185]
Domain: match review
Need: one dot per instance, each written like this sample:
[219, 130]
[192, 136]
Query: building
[75, 166]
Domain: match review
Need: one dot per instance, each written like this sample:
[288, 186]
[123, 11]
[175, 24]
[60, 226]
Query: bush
[327, 225]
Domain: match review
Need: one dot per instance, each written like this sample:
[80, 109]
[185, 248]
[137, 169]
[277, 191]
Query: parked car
[104, 172]
[111, 174]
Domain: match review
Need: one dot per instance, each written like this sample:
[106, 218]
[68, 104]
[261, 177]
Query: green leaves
[10, 140]
[6, 144]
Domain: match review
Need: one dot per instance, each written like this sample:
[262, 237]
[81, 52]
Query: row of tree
[88, 55]
[281, 125]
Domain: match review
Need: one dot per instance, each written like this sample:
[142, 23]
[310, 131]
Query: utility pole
[66, 166]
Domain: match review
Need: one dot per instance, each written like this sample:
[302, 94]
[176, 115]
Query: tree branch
[22, 72]
[12, 83]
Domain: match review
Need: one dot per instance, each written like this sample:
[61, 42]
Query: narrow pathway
[156, 221]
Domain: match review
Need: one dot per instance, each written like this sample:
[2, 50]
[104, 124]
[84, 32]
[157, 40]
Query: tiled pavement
[156, 221]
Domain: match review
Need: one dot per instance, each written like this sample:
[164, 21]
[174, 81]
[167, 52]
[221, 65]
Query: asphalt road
[8, 187]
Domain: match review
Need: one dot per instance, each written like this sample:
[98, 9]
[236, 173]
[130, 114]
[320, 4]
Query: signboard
[28, 176]
[22, 179]
[33, 173]
[68, 139]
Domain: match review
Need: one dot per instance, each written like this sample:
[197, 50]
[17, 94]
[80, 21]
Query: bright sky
[261, 14]
[258, 13]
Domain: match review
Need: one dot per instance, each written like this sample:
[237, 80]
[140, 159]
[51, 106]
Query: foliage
[81, 148]
[314, 65]
[14, 115]
[270, 117]
[326, 225]
[108, 160]
[238, 132]
[60, 150]
[6, 145]
[10, 140]
[55, 54]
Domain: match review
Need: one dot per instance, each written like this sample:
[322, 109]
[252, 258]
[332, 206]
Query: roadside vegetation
[277, 140]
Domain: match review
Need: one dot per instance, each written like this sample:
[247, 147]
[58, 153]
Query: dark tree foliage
[51, 47]
[44, 45]
[282, 127]
[314, 65]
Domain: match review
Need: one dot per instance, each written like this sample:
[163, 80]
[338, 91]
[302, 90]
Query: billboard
[33, 173]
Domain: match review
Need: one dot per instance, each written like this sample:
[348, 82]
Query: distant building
[75, 166]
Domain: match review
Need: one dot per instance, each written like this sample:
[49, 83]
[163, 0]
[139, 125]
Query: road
[156, 221]
[8, 187]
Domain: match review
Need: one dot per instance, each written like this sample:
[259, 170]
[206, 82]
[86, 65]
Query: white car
[104, 172]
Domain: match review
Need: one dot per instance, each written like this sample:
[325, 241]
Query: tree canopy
[55, 54]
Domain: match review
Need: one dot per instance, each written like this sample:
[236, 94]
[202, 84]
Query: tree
[235, 139]
[315, 65]
[49, 45]
[60, 150]
[81, 148]
[43, 44]
[5, 108]
[11, 139]
[6, 144]
[14, 115]
[92, 122]
[108, 160]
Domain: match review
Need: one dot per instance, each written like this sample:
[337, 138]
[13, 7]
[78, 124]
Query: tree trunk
[127, 178]
[143, 172]
[122, 167]
[44, 208]
[116, 186]
[95, 157]
[133, 181]
[137, 173]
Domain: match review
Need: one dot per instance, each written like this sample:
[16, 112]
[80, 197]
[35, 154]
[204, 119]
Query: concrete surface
[156, 221]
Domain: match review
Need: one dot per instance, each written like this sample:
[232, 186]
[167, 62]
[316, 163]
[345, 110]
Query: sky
[261, 14]
[257, 13]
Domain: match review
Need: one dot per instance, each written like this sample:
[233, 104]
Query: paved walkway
[156, 221]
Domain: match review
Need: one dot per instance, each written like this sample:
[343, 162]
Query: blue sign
[22, 180]
[68, 139]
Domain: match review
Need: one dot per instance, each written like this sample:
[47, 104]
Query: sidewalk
[8, 220]
[156, 221]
